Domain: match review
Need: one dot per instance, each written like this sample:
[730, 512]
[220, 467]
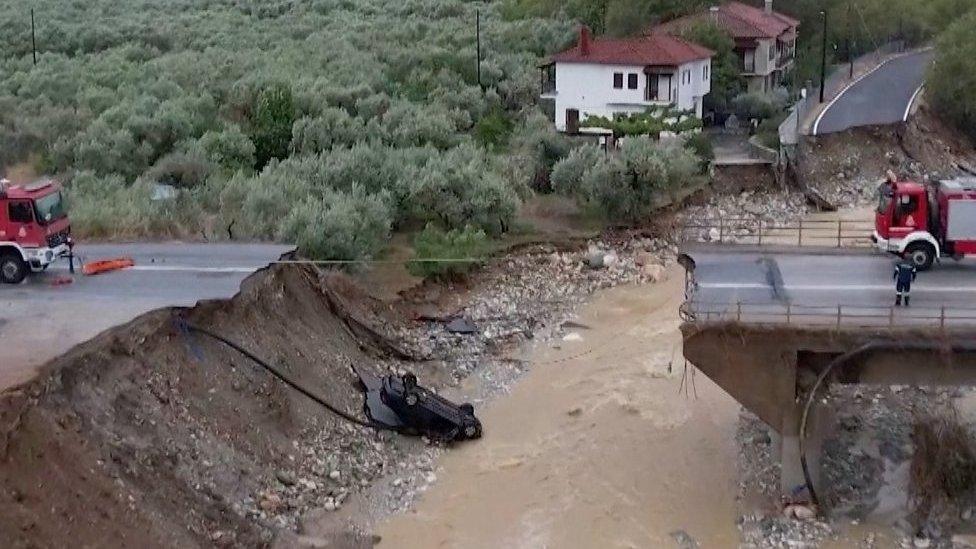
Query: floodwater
[607, 442]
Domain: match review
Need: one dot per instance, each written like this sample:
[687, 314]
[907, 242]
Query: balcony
[785, 59]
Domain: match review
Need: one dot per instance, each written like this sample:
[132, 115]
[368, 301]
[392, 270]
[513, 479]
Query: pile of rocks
[529, 295]
[760, 531]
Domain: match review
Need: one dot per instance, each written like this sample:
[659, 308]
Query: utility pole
[33, 38]
[478, 32]
[823, 61]
[850, 33]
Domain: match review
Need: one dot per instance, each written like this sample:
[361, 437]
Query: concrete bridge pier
[820, 424]
[771, 368]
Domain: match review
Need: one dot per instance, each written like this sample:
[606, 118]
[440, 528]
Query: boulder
[643, 258]
[653, 273]
[594, 260]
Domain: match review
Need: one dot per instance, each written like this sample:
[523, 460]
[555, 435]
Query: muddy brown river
[606, 442]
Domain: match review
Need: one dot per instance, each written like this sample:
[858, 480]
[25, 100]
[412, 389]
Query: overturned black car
[399, 403]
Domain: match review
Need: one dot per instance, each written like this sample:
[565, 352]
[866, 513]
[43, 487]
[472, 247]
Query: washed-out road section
[883, 96]
[40, 320]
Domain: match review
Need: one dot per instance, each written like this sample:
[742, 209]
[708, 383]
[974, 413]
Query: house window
[618, 80]
[632, 81]
[549, 79]
[749, 61]
[705, 73]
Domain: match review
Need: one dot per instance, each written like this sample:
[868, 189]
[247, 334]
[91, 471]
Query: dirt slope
[148, 437]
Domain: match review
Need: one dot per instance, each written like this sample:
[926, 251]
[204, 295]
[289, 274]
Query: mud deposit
[146, 436]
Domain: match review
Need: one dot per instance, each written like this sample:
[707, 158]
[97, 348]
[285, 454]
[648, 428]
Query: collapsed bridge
[774, 325]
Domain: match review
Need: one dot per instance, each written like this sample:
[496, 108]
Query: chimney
[769, 7]
[584, 41]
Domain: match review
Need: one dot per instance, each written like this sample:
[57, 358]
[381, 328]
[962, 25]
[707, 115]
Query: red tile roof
[655, 49]
[740, 20]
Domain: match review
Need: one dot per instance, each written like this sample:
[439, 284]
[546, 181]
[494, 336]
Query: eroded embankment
[146, 436]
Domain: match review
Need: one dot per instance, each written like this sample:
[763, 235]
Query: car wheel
[467, 408]
[921, 255]
[411, 399]
[13, 270]
[409, 381]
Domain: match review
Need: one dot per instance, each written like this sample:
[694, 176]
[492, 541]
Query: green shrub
[568, 173]
[458, 188]
[701, 145]
[338, 226]
[537, 144]
[334, 127]
[493, 130]
[756, 105]
[229, 148]
[181, 170]
[458, 245]
[952, 78]
[628, 186]
[272, 121]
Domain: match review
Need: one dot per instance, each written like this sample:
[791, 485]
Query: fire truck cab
[34, 228]
[924, 223]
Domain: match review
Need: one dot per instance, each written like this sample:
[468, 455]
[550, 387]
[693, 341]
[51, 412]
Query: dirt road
[598, 446]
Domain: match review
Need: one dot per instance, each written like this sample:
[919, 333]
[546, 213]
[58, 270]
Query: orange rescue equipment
[104, 266]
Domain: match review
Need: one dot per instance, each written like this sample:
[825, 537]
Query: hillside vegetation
[855, 26]
[326, 122]
[952, 80]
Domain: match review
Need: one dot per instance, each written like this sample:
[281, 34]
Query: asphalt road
[40, 320]
[881, 97]
[860, 283]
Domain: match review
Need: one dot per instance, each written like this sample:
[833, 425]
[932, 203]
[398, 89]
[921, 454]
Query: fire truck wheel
[13, 270]
[921, 254]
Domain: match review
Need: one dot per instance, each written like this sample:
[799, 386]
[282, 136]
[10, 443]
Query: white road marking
[174, 269]
[187, 269]
[911, 102]
[833, 288]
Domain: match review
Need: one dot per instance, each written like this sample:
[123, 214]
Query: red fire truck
[923, 223]
[34, 228]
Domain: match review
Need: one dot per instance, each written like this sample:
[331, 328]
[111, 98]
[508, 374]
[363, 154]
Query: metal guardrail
[740, 230]
[854, 316]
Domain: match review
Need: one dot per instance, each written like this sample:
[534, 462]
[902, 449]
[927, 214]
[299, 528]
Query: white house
[604, 77]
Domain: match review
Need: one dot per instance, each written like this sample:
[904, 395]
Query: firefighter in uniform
[905, 274]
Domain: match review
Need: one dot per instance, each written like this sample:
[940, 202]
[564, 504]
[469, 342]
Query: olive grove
[325, 122]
